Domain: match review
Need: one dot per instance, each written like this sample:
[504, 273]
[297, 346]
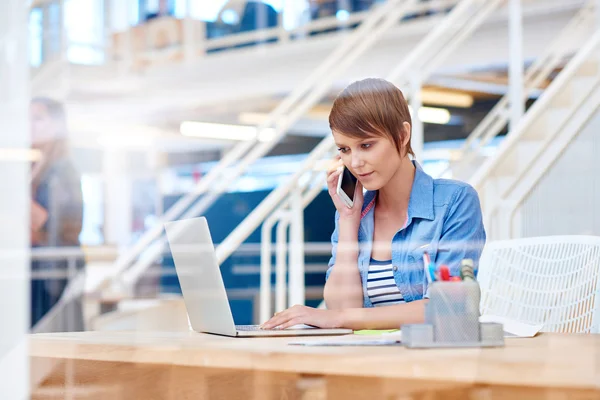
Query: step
[547, 122]
[526, 150]
[582, 85]
[492, 190]
[517, 158]
[589, 68]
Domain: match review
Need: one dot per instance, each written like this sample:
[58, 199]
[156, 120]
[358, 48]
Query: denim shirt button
[394, 268]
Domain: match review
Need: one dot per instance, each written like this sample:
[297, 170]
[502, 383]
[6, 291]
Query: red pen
[444, 273]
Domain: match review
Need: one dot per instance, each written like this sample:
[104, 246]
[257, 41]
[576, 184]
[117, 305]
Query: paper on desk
[338, 342]
[370, 332]
[513, 328]
[381, 338]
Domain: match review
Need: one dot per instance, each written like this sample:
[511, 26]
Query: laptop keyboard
[247, 328]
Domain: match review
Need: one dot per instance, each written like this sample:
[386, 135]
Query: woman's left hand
[297, 315]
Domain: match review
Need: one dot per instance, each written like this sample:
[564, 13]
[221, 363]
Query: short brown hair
[372, 107]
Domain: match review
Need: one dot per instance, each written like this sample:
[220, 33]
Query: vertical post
[47, 34]
[15, 199]
[283, 34]
[189, 39]
[64, 50]
[265, 270]
[515, 72]
[200, 46]
[342, 5]
[127, 48]
[117, 196]
[296, 270]
[107, 30]
[261, 24]
[280, 262]
[417, 134]
[597, 9]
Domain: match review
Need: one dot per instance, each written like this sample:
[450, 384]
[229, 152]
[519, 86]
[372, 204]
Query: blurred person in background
[163, 10]
[56, 213]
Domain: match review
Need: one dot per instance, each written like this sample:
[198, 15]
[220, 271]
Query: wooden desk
[142, 365]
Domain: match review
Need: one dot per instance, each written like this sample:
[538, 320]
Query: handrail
[536, 109]
[283, 117]
[542, 67]
[57, 253]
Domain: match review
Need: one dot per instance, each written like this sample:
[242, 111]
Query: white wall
[14, 200]
[565, 201]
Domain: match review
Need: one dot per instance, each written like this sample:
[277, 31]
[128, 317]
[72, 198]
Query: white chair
[552, 280]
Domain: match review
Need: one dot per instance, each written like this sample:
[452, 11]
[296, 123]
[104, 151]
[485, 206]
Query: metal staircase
[472, 154]
[534, 144]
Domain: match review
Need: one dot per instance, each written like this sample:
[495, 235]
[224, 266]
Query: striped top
[381, 286]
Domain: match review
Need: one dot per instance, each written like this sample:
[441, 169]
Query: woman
[56, 212]
[376, 278]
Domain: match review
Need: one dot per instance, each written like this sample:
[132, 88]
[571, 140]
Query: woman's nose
[356, 161]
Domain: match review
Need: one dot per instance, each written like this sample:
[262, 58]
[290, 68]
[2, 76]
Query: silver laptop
[202, 284]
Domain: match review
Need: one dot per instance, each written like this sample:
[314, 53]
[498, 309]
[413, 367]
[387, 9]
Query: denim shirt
[444, 219]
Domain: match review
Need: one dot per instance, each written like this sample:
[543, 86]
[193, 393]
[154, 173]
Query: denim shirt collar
[420, 204]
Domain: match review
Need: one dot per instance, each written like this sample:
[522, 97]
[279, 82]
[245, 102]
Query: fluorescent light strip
[125, 141]
[432, 115]
[19, 155]
[429, 115]
[207, 130]
[449, 99]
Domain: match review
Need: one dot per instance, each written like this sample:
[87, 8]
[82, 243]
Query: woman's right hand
[332, 182]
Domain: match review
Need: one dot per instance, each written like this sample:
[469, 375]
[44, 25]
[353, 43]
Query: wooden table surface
[544, 365]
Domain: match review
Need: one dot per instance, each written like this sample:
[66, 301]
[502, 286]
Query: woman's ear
[407, 134]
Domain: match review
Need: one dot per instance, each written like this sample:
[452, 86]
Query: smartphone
[346, 187]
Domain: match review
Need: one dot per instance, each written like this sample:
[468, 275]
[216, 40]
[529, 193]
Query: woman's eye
[366, 145]
[342, 149]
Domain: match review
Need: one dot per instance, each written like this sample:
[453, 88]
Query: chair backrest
[553, 280]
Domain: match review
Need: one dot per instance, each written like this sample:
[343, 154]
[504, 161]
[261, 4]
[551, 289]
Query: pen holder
[452, 319]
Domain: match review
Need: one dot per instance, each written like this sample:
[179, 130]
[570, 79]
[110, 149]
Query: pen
[444, 273]
[431, 272]
[426, 262]
[426, 259]
[467, 270]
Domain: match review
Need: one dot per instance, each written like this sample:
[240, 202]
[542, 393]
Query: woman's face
[373, 161]
[43, 127]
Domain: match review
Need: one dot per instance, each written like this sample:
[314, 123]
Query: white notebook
[513, 328]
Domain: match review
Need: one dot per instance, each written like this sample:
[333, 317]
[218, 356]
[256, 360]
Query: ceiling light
[449, 99]
[342, 15]
[432, 115]
[17, 155]
[253, 118]
[125, 141]
[225, 132]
